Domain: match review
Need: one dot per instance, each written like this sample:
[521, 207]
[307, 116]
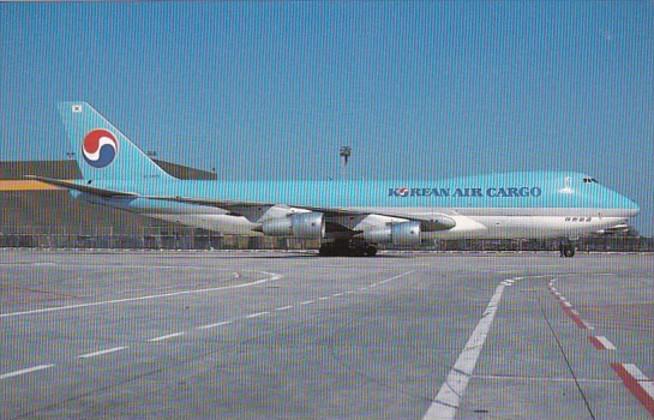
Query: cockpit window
[589, 180]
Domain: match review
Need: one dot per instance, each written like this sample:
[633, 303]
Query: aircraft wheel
[569, 251]
[327, 251]
[371, 251]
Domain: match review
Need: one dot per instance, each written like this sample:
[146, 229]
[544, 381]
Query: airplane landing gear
[347, 248]
[567, 249]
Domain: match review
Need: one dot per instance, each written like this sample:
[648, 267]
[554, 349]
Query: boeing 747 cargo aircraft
[349, 217]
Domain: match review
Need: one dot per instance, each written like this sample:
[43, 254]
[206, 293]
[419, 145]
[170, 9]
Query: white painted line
[256, 315]
[284, 308]
[635, 372]
[449, 395]
[272, 277]
[395, 277]
[307, 302]
[101, 352]
[24, 371]
[637, 383]
[567, 304]
[337, 294]
[217, 324]
[587, 325]
[350, 292]
[165, 337]
[363, 288]
[323, 298]
[605, 342]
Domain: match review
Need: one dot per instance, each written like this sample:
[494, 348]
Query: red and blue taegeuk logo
[99, 148]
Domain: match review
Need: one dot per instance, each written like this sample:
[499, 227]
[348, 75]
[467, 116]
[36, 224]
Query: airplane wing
[432, 222]
[81, 187]
[339, 220]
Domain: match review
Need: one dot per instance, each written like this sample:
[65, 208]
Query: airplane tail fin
[101, 150]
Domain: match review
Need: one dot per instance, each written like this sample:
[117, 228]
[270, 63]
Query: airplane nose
[631, 206]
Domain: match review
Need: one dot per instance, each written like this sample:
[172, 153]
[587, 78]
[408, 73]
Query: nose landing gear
[567, 249]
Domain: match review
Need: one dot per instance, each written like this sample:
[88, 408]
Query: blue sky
[418, 89]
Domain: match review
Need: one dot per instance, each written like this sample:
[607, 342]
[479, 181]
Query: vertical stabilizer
[101, 150]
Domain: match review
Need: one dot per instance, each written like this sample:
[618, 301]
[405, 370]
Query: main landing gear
[567, 249]
[347, 248]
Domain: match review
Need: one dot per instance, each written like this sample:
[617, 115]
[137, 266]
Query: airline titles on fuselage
[465, 192]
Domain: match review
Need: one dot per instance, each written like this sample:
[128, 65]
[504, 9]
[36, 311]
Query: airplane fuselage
[512, 205]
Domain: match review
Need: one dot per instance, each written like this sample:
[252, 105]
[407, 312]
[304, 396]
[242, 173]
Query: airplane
[349, 217]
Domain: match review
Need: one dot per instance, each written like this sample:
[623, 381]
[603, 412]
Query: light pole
[345, 153]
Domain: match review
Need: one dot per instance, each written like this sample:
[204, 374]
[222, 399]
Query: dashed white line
[337, 294]
[307, 302]
[447, 400]
[323, 298]
[284, 308]
[165, 337]
[217, 324]
[395, 277]
[24, 371]
[257, 315]
[134, 299]
[101, 352]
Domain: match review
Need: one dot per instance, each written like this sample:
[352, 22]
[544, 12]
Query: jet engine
[300, 225]
[405, 233]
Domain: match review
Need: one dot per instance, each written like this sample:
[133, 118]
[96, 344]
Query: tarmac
[290, 335]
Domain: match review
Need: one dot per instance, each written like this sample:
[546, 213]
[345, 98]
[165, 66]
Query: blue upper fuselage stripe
[509, 190]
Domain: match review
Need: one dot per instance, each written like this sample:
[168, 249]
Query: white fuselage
[470, 223]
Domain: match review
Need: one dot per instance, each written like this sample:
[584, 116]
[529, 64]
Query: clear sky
[271, 90]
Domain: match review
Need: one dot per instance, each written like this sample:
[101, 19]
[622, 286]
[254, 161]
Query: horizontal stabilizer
[80, 187]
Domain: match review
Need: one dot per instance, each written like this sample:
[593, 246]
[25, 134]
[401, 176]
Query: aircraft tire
[569, 251]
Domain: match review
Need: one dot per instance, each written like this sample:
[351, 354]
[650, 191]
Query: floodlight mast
[345, 153]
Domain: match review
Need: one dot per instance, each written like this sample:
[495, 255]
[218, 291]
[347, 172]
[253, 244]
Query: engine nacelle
[405, 233]
[299, 225]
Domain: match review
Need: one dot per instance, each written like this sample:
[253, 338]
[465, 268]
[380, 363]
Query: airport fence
[155, 238]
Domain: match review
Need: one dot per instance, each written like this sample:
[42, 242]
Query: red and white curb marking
[600, 342]
[633, 378]
[640, 385]
[568, 308]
